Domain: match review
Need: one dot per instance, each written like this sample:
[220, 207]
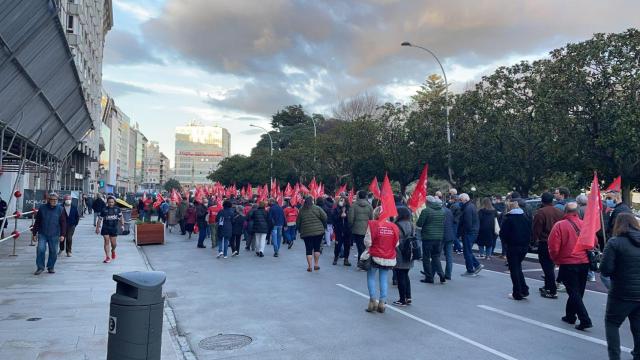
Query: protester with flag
[565, 251]
[621, 262]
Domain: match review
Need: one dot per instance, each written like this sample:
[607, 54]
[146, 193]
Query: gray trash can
[126, 214]
[135, 316]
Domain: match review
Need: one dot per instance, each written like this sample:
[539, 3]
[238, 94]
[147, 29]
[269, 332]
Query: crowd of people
[443, 225]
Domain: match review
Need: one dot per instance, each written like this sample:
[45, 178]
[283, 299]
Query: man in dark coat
[98, 205]
[73, 217]
[468, 230]
[543, 222]
[49, 227]
[614, 201]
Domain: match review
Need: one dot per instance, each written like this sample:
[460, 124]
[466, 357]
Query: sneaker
[481, 257]
[219, 254]
[224, 257]
[469, 274]
[69, 254]
[568, 321]
[290, 245]
[106, 260]
[547, 294]
[51, 271]
[583, 326]
[335, 261]
[235, 253]
[38, 272]
[275, 255]
[592, 277]
[478, 269]
[442, 279]
[408, 301]
[346, 262]
[113, 255]
[60, 252]
[399, 303]
[515, 298]
[261, 254]
[561, 288]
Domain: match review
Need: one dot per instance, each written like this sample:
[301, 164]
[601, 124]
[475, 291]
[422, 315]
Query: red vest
[384, 238]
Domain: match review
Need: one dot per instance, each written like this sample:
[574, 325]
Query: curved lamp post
[446, 100]
[271, 141]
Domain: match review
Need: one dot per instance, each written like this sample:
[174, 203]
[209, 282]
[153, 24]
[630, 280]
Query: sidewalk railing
[15, 234]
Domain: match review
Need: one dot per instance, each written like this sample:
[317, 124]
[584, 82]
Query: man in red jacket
[574, 265]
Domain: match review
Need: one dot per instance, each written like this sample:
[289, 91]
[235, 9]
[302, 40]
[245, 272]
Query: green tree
[289, 116]
[172, 184]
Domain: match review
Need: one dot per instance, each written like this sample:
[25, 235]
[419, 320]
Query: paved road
[70, 307]
[292, 314]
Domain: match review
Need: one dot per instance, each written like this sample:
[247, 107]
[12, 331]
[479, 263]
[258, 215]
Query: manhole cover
[223, 342]
[34, 319]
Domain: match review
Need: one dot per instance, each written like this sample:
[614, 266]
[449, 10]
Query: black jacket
[619, 209]
[469, 223]
[621, 262]
[340, 224]
[98, 205]
[516, 230]
[238, 224]
[259, 221]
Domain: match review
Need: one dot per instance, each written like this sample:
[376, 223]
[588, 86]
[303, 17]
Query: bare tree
[357, 107]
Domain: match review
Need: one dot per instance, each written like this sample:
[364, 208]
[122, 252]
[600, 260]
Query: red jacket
[562, 242]
[384, 239]
[291, 215]
[213, 213]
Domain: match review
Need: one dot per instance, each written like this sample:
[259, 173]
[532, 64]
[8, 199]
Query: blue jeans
[485, 250]
[276, 237]
[43, 242]
[223, 242]
[469, 259]
[447, 250]
[290, 234]
[202, 233]
[457, 244]
[371, 283]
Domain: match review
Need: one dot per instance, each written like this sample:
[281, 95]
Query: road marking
[531, 270]
[550, 327]
[439, 328]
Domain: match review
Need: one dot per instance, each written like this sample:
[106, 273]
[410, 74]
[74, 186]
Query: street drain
[222, 342]
[34, 319]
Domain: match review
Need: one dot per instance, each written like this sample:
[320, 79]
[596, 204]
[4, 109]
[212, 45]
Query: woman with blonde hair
[312, 222]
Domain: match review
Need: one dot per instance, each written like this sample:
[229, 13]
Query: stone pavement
[63, 315]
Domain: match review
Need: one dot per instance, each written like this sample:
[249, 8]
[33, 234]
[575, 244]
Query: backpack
[409, 248]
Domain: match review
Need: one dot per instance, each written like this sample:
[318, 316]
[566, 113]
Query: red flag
[288, 191]
[388, 203]
[374, 189]
[303, 189]
[352, 194]
[419, 196]
[591, 224]
[616, 184]
[159, 201]
[175, 197]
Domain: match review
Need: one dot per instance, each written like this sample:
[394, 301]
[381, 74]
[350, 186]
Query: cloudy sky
[236, 62]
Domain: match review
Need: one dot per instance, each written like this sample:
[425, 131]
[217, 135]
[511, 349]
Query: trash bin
[135, 316]
[126, 214]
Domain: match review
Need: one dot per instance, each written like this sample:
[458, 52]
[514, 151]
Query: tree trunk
[626, 193]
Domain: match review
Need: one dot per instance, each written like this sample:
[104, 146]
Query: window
[70, 19]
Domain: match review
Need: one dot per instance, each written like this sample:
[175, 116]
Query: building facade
[151, 179]
[199, 150]
[86, 23]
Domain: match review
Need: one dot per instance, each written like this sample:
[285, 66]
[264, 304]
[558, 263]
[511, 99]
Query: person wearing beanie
[543, 222]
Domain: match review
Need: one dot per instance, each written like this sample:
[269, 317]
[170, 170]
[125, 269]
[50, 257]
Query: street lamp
[446, 106]
[271, 141]
[315, 134]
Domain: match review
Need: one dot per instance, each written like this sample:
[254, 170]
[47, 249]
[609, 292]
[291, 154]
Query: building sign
[199, 153]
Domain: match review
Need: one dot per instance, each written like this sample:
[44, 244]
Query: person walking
[328, 205]
[73, 218]
[312, 221]
[543, 221]
[212, 219]
[453, 204]
[574, 265]
[468, 229]
[487, 218]
[190, 219]
[614, 202]
[49, 227]
[621, 262]
[181, 213]
[516, 232]
[201, 219]
[404, 264]
[276, 215]
[98, 205]
[172, 216]
[381, 244]
[108, 223]
[89, 203]
[448, 241]
[225, 227]
[342, 231]
[259, 226]
[431, 223]
[359, 215]
[237, 231]
[290, 231]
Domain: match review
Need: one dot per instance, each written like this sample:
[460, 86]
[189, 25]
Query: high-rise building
[199, 150]
[141, 147]
[165, 169]
[86, 24]
[151, 179]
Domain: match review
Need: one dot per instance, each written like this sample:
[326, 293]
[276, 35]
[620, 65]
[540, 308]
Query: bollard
[135, 316]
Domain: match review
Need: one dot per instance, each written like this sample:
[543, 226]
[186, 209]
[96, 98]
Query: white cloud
[138, 11]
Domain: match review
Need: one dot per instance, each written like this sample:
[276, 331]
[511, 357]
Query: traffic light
[101, 183]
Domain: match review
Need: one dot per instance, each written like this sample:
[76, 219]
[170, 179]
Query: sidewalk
[63, 315]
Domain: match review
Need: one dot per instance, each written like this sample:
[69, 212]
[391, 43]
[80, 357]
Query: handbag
[364, 263]
[496, 226]
[594, 255]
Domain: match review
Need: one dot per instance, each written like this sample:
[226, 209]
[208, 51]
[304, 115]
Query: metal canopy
[42, 105]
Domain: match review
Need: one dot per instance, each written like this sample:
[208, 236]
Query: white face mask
[67, 202]
[341, 203]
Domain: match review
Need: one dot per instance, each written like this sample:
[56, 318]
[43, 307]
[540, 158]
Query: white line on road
[550, 327]
[531, 270]
[439, 328]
